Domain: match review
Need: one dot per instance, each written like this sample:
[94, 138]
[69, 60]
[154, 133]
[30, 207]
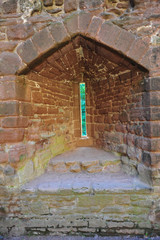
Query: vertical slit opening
[83, 109]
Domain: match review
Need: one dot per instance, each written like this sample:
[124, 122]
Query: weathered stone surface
[27, 51]
[10, 63]
[48, 3]
[144, 174]
[58, 32]
[11, 135]
[20, 31]
[83, 21]
[94, 169]
[9, 6]
[83, 4]
[104, 35]
[75, 168]
[8, 46]
[71, 23]
[70, 5]
[9, 170]
[43, 41]
[29, 7]
[59, 2]
[94, 26]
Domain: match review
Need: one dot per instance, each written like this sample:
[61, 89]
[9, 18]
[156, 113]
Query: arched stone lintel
[82, 23]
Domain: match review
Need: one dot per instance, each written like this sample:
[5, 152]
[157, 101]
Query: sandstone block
[9, 108]
[48, 3]
[17, 153]
[70, 5]
[104, 34]
[75, 168]
[43, 41]
[20, 31]
[71, 24]
[86, 164]
[11, 135]
[3, 157]
[152, 84]
[58, 32]
[27, 51]
[94, 169]
[94, 26]
[85, 4]
[10, 63]
[124, 41]
[137, 49]
[59, 167]
[39, 208]
[83, 21]
[7, 90]
[8, 46]
[9, 6]
[144, 174]
[26, 109]
[58, 2]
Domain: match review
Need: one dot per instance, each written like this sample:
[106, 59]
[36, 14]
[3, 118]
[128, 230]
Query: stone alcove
[115, 108]
[50, 65]
[40, 119]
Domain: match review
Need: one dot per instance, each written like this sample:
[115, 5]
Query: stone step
[85, 159]
[84, 182]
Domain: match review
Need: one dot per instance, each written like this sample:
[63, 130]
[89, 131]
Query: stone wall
[47, 48]
[78, 211]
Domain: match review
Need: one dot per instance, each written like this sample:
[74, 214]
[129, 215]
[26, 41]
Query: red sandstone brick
[94, 26]
[145, 61]
[52, 110]
[26, 109]
[20, 31]
[124, 41]
[37, 97]
[10, 63]
[40, 109]
[67, 48]
[9, 108]
[8, 46]
[17, 153]
[84, 21]
[137, 50]
[11, 135]
[30, 149]
[3, 157]
[71, 24]
[48, 3]
[70, 5]
[27, 51]
[105, 35]
[15, 122]
[43, 41]
[72, 57]
[155, 145]
[153, 113]
[59, 32]
[7, 90]
[9, 6]
[22, 90]
[152, 84]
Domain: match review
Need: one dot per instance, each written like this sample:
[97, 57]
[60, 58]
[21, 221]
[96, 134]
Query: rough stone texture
[70, 5]
[113, 47]
[9, 63]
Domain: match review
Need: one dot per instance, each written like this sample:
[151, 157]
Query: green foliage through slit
[83, 109]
